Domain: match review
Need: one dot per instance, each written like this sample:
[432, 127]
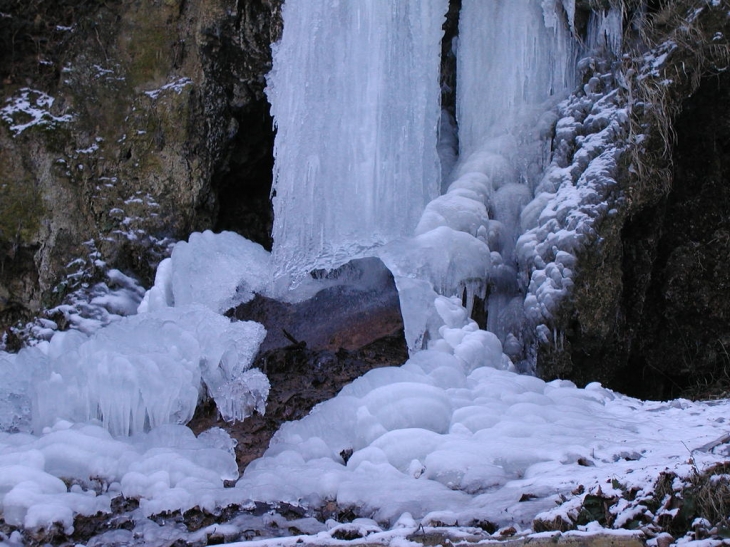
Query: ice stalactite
[605, 31]
[355, 98]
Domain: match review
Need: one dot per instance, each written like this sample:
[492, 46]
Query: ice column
[516, 59]
[355, 93]
[513, 56]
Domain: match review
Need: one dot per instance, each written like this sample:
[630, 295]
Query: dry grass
[709, 490]
[684, 29]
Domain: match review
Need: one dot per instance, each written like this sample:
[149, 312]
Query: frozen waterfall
[511, 74]
[354, 93]
[510, 67]
[451, 437]
[355, 98]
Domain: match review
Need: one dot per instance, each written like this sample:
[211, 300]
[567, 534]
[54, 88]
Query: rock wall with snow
[648, 316]
[125, 126]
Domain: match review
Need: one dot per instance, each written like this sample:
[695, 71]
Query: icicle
[605, 30]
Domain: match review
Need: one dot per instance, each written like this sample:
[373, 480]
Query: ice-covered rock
[147, 370]
[219, 271]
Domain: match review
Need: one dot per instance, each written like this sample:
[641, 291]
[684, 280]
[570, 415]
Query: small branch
[295, 343]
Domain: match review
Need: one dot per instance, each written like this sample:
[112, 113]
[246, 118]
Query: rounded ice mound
[446, 258]
[531, 213]
[474, 181]
[458, 212]
[407, 405]
[461, 466]
[509, 201]
[495, 166]
[218, 271]
[402, 446]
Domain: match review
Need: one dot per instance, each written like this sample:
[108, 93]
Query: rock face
[650, 314]
[127, 125]
[358, 308]
[686, 320]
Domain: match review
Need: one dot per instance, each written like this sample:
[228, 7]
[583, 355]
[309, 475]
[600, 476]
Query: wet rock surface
[315, 347]
[360, 306]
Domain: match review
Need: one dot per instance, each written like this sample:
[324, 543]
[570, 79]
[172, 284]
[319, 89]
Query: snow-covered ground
[453, 437]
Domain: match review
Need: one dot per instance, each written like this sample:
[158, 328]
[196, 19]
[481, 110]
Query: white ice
[512, 56]
[167, 469]
[354, 93]
[448, 442]
[218, 271]
[143, 371]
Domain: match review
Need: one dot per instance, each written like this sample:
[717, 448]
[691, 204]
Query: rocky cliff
[650, 313]
[127, 125]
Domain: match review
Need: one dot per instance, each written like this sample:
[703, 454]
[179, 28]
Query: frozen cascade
[511, 73]
[454, 429]
[354, 94]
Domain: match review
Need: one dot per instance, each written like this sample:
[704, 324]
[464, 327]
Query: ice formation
[143, 371]
[512, 57]
[511, 73]
[354, 94]
[150, 369]
[168, 469]
[218, 271]
[454, 436]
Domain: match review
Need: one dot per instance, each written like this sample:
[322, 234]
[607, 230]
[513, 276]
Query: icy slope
[453, 437]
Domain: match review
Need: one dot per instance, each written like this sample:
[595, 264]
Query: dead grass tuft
[685, 31]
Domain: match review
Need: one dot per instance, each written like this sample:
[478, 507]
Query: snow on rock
[90, 308]
[31, 108]
[573, 196]
[218, 271]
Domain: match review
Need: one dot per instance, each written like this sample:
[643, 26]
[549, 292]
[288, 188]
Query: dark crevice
[236, 58]
[448, 147]
[681, 332]
[448, 57]
[244, 183]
